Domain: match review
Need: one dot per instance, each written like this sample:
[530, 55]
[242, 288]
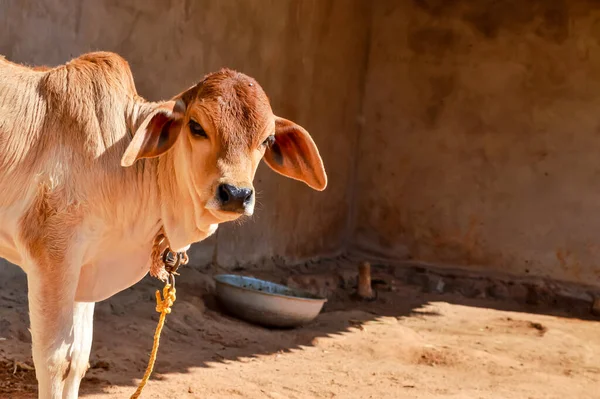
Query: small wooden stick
[364, 290]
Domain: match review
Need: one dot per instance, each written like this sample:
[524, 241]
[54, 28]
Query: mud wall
[481, 145]
[308, 55]
[460, 133]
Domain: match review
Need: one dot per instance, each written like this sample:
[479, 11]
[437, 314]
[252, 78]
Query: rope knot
[163, 305]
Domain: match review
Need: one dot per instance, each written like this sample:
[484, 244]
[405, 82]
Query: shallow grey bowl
[266, 303]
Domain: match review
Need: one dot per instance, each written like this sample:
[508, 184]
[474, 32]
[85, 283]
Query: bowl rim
[219, 279]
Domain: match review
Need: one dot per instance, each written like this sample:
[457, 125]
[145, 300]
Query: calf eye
[196, 129]
[269, 140]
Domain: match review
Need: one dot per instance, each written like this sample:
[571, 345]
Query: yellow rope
[163, 306]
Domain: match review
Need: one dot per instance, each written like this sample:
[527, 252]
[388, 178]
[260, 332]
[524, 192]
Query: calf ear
[295, 155]
[157, 133]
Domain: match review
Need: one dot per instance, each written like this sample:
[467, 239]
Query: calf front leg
[83, 323]
[61, 331]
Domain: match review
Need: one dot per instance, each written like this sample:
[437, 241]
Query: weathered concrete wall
[308, 55]
[481, 145]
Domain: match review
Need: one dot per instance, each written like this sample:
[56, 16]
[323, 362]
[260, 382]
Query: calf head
[217, 133]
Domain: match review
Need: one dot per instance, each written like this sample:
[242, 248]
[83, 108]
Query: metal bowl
[266, 303]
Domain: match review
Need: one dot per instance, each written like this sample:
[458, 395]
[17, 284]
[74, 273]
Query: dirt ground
[405, 344]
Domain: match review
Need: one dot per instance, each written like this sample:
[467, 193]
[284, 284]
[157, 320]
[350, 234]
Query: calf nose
[234, 199]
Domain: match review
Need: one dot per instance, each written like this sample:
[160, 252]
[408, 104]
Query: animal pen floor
[409, 343]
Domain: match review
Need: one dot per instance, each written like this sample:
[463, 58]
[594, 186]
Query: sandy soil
[406, 344]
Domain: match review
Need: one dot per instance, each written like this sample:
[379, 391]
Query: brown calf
[90, 173]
